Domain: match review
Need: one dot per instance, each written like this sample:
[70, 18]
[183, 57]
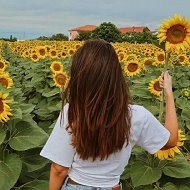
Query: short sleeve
[153, 135]
[58, 147]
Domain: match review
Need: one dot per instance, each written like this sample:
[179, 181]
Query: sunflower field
[32, 77]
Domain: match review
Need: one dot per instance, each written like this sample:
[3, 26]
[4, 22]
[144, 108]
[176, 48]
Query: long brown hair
[98, 114]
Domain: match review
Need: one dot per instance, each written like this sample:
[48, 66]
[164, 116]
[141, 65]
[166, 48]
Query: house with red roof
[74, 32]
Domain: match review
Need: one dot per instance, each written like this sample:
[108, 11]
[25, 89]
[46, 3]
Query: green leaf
[35, 185]
[52, 92]
[186, 113]
[2, 134]
[27, 136]
[178, 168]
[143, 174]
[169, 186]
[32, 160]
[10, 169]
[27, 108]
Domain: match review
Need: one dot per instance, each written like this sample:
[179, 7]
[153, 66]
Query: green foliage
[108, 32]
[56, 37]
[139, 37]
[36, 105]
[87, 35]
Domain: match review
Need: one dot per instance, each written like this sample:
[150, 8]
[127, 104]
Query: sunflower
[6, 80]
[35, 57]
[4, 108]
[132, 68]
[169, 154]
[176, 32]
[71, 51]
[3, 65]
[154, 87]
[60, 79]
[186, 92]
[41, 50]
[159, 57]
[53, 53]
[148, 61]
[182, 59]
[56, 66]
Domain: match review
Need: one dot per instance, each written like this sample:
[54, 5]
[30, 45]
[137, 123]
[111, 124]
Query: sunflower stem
[166, 67]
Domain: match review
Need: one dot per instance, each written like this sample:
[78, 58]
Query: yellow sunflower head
[41, 50]
[5, 110]
[159, 58]
[3, 65]
[6, 80]
[56, 66]
[176, 32]
[71, 51]
[35, 57]
[53, 53]
[148, 61]
[60, 79]
[132, 68]
[182, 59]
[169, 154]
[154, 87]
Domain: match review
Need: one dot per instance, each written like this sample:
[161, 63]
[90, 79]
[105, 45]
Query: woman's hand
[165, 82]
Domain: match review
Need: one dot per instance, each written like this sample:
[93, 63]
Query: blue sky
[27, 19]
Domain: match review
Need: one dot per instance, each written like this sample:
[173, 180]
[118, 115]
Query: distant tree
[87, 35]
[139, 37]
[59, 37]
[43, 38]
[108, 32]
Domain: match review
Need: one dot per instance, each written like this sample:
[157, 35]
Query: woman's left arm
[57, 176]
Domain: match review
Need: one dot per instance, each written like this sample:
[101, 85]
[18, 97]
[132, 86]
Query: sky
[29, 19]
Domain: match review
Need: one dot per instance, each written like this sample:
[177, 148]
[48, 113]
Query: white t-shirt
[146, 131]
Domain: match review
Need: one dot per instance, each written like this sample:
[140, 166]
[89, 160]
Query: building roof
[84, 28]
[133, 29]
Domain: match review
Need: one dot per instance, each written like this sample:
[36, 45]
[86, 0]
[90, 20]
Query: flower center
[57, 67]
[53, 53]
[60, 78]
[132, 67]
[4, 82]
[42, 52]
[1, 106]
[176, 34]
[181, 58]
[161, 57]
[34, 57]
[157, 86]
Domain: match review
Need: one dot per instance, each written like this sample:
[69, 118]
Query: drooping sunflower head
[5, 110]
[56, 66]
[132, 68]
[6, 80]
[3, 65]
[169, 154]
[154, 87]
[148, 61]
[60, 79]
[176, 32]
